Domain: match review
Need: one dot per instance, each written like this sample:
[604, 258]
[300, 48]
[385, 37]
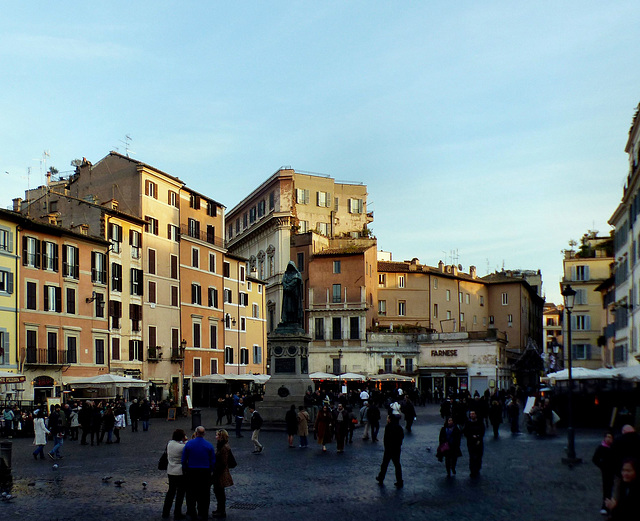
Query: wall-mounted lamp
[94, 295]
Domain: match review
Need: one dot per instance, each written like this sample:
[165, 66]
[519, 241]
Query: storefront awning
[11, 378]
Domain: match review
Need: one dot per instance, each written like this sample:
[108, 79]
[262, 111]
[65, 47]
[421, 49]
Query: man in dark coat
[134, 415]
[84, 417]
[409, 412]
[474, 432]
[373, 417]
[393, 436]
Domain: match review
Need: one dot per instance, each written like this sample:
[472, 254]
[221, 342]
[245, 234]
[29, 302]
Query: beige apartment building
[154, 196]
[585, 270]
[552, 334]
[261, 226]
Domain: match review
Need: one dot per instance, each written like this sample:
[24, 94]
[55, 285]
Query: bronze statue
[291, 297]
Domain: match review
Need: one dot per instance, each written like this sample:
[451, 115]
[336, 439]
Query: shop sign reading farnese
[444, 352]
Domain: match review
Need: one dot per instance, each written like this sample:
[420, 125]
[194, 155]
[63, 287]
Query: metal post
[571, 458]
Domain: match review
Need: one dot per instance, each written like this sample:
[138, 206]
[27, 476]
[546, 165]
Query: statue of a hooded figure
[292, 315]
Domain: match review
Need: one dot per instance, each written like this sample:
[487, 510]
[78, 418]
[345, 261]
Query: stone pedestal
[288, 351]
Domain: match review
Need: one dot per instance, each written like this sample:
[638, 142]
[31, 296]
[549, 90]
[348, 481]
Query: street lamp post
[569, 295]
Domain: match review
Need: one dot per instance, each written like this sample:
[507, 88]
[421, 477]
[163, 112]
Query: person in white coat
[175, 448]
[41, 432]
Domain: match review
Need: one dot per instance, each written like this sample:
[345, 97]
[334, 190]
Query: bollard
[5, 453]
[196, 418]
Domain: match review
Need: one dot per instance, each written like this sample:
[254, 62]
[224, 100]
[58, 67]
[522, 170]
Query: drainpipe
[16, 287]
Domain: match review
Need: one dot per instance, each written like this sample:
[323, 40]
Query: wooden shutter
[55, 258]
[46, 298]
[24, 251]
[131, 349]
[58, 292]
[94, 275]
[9, 283]
[76, 264]
[37, 254]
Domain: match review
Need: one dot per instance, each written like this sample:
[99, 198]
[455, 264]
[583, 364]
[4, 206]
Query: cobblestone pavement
[522, 478]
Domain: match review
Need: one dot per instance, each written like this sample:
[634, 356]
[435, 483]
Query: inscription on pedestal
[285, 365]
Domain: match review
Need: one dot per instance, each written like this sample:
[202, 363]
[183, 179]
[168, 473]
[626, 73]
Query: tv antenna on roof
[127, 142]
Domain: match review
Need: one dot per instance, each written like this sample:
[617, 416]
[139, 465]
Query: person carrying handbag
[449, 445]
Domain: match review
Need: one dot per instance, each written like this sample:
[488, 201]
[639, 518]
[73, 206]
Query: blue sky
[496, 129]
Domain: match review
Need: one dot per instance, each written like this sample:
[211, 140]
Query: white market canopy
[11, 378]
[105, 380]
[352, 376]
[260, 379]
[323, 376]
[390, 377]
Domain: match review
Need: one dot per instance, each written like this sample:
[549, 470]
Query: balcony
[154, 354]
[34, 356]
[186, 231]
[177, 354]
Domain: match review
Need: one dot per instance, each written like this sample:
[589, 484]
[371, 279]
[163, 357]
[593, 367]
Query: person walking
[409, 412]
[198, 463]
[291, 422]
[513, 412]
[303, 426]
[56, 426]
[239, 416]
[176, 491]
[41, 432]
[120, 420]
[393, 437]
[373, 417]
[220, 406]
[341, 419]
[495, 417]
[84, 417]
[451, 435]
[603, 458]
[74, 424]
[256, 425]
[625, 503]
[145, 414]
[364, 420]
[323, 427]
[474, 432]
[221, 475]
[134, 415]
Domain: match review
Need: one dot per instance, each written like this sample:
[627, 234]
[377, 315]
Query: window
[150, 189]
[491, 320]
[175, 300]
[337, 290]
[272, 201]
[579, 272]
[173, 198]
[323, 199]
[337, 328]
[99, 351]
[242, 273]
[116, 276]
[467, 298]
[211, 234]
[99, 305]
[32, 295]
[336, 266]
[581, 322]
[49, 256]
[475, 319]
[448, 315]
[581, 351]
[115, 236]
[228, 355]
[71, 301]
[302, 196]
[435, 283]
[460, 297]
[195, 257]
[197, 334]
[354, 328]
[356, 206]
[115, 348]
[213, 366]
[272, 266]
[505, 299]
[481, 300]
[136, 282]
[323, 228]
[152, 292]
[336, 366]
[461, 317]
[196, 294]
[319, 329]
[510, 319]
[6, 240]
[135, 242]
[52, 347]
[257, 354]
[245, 220]
[382, 307]
[243, 324]
[243, 298]
[212, 297]
[448, 295]
[6, 282]
[388, 365]
[31, 252]
[194, 228]
[435, 311]
[196, 366]
[153, 337]
[72, 350]
[303, 226]
[115, 312]
[70, 262]
[174, 267]
[402, 308]
[262, 208]
[408, 365]
[581, 297]
[98, 267]
[211, 209]
[213, 336]
[382, 279]
[152, 261]
[401, 281]
[173, 232]
[244, 356]
[212, 263]
[484, 321]
[135, 350]
[226, 269]
[135, 312]
[255, 311]
[52, 299]
[194, 201]
[152, 225]
[300, 262]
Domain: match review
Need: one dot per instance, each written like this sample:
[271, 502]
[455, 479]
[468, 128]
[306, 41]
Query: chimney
[472, 272]
[17, 204]
[441, 266]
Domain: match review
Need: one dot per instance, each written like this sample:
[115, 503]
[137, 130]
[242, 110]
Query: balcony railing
[177, 354]
[40, 356]
[202, 235]
[154, 354]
